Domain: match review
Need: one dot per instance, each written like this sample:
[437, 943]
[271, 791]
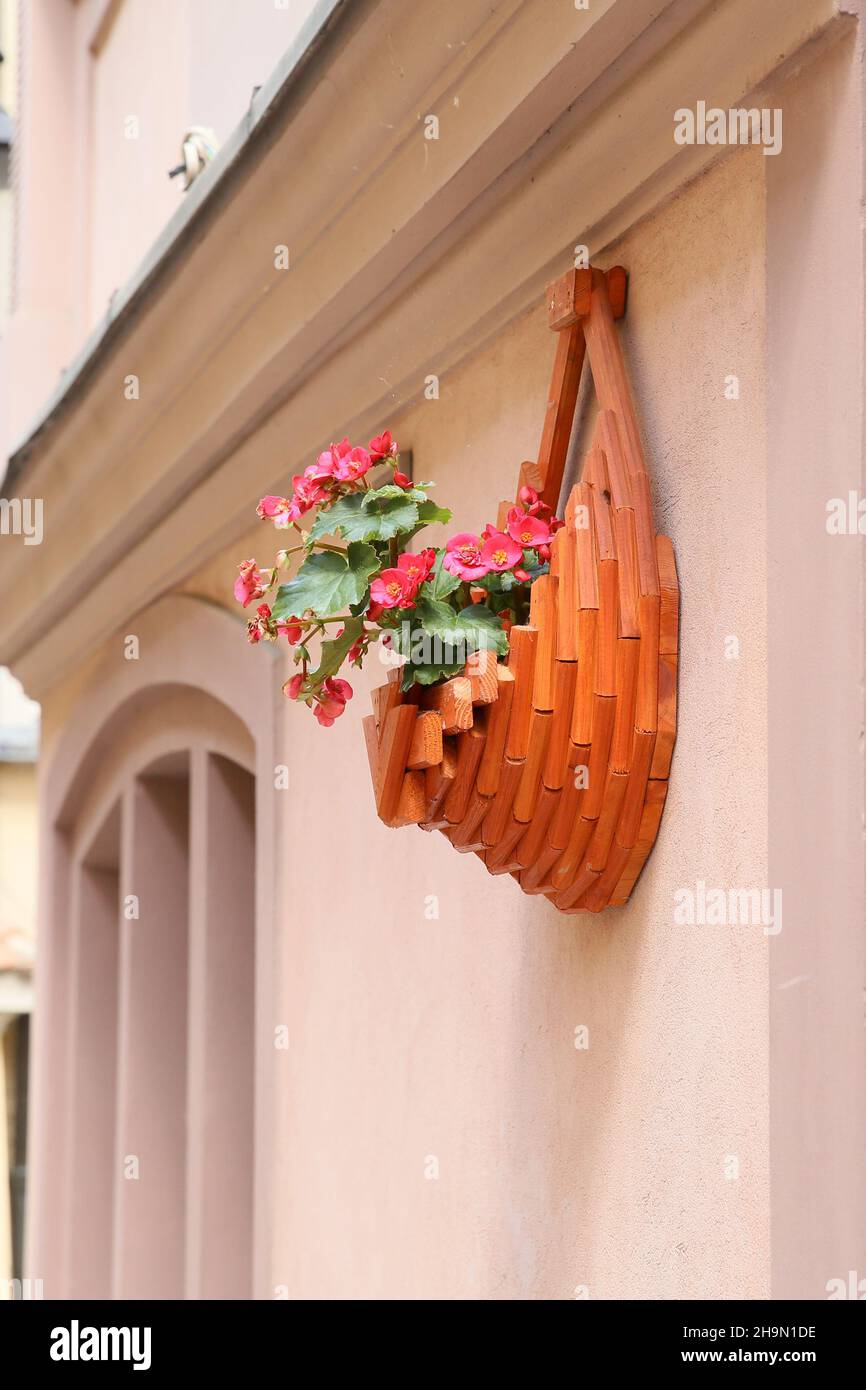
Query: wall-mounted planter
[553, 766]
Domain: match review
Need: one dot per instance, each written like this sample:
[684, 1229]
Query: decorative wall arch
[168, 738]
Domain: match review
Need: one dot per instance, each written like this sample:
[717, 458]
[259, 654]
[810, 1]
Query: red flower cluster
[396, 588]
[263, 626]
[340, 464]
[531, 525]
[518, 553]
[329, 702]
[251, 582]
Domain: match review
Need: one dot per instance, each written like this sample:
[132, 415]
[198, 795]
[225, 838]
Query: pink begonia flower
[276, 509]
[393, 588]
[528, 496]
[463, 557]
[250, 583]
[383, 446]
[417, 567]
[307, 493]
[326, 464]
[402, 479]
[293, 686]
[500, 552]
[341, 462]
[527, 530]
[332, 700]
[352, 466]
[338, 688]
[291, 630]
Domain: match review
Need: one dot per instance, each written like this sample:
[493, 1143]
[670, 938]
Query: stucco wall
[454, 1038]
[637, 1167]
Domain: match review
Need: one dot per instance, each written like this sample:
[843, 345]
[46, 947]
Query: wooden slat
[608, 628]
[559, 416]
[438, 782]
[530, 782]
[534, 841]
[627, 660]
[609, 374]
[587, 574]
[542, 616]
[647, 693]
[632, 807]
[466, 837]
[371, 740]
[626, 555]
[393, 752]
[647, 564]
[499, 815]
[412, 805]
[667, 730]
[602, 520]
[617, 469]
[572, 798]
[425, 749]
[568, 299]
[453, 700]
[490, 769]
[638, 855]
[521, 662]
[670, 597]
[569, 899]
[385, 698]
[582, 716]
[572, 856]
[470, 746]
[481, 672]
[598, 894]
[565, 549]
[556, 761]
[616, 786]
[604, 715]
[500, 859]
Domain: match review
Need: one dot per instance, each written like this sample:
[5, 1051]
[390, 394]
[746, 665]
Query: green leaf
[327, 582]
[432, 515]
[428, 675]
[473, 629]
[346, 515]
[378, 515]
[392, 514]
[501, 583]
[437, 641]
[336, 649]
[441, 582]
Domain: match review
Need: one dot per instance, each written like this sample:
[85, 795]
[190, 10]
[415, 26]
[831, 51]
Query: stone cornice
[556, 127]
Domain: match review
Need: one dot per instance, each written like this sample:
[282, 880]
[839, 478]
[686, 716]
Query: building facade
[279, 1050]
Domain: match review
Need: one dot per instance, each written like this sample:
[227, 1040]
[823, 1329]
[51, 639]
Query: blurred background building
[259, 1065]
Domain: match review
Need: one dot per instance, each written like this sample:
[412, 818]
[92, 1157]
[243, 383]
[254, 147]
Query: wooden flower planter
[553, 766]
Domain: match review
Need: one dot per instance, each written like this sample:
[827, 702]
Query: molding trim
[553, 130]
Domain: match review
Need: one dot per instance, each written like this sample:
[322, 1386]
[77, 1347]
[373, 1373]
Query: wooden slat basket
[553, 765]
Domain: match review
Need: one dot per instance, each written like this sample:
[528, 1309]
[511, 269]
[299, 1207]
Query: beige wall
[456, 1037]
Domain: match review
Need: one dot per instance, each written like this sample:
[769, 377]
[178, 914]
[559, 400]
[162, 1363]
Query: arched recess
[157, 800]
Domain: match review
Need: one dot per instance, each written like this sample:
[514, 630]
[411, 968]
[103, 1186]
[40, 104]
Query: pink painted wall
[638, 1167]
